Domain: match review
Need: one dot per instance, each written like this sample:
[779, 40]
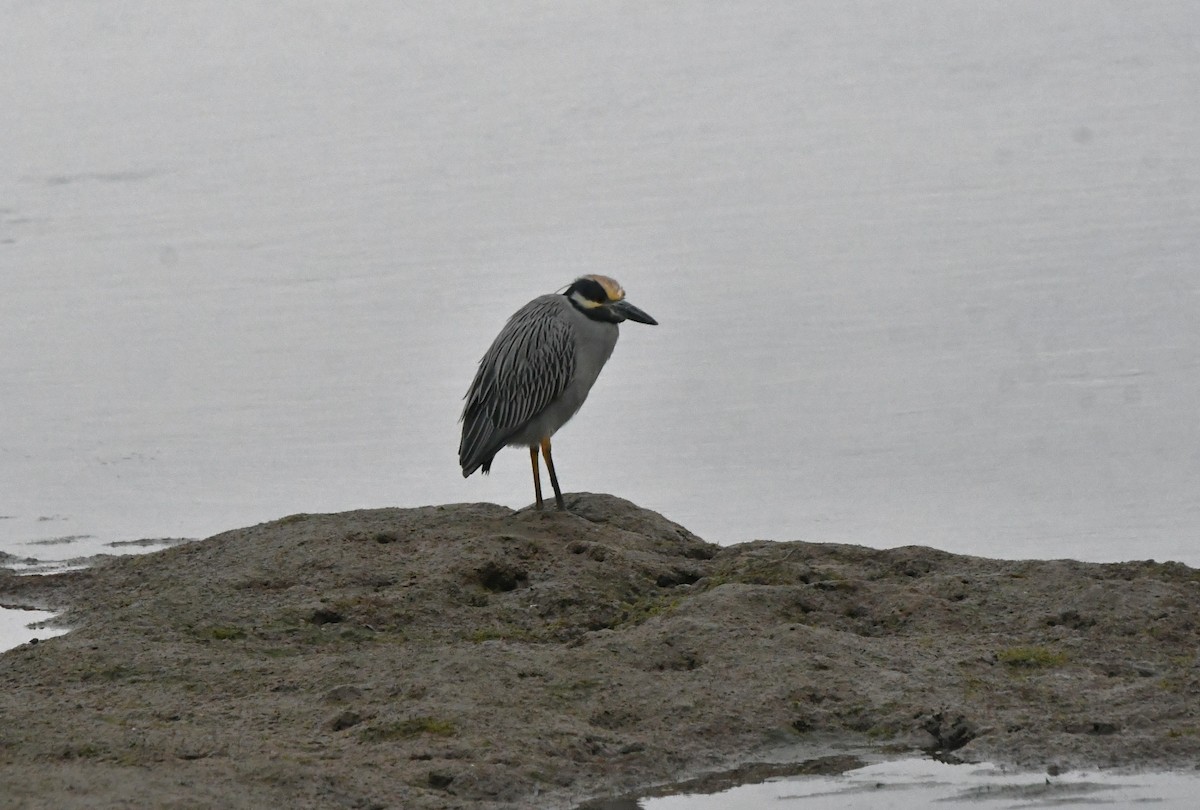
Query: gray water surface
[925, 273]
[910, 784]
[22, 626]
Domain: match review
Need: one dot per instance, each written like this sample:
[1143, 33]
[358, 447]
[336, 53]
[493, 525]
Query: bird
[539, 370]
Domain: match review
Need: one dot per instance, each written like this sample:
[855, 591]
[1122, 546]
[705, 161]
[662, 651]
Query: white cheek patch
[585, 303]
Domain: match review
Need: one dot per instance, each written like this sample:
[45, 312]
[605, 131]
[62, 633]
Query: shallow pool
[18, 626]
[918, 783]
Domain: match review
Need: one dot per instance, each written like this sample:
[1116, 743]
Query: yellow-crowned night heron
[538, 372]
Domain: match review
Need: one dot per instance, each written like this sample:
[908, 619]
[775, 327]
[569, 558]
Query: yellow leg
[558, 499]
[537, 476]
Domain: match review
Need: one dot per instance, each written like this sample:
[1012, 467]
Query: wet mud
[473, 656]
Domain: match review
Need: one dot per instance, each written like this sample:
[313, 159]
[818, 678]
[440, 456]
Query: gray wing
[527, 367]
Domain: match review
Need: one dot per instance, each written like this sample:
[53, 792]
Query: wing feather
[526, 368]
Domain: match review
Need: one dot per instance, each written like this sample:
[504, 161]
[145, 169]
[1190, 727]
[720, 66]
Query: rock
[473, 656]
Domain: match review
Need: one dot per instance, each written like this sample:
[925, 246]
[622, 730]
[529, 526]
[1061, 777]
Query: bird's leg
[553, 478]
[537, 476]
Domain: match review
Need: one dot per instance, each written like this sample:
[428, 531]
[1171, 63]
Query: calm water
[913, 784]
[925, 274]
[21, 626]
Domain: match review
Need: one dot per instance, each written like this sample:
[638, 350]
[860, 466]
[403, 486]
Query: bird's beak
[628, 311]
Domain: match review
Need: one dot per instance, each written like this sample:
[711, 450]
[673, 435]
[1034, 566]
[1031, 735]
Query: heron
[539, 370]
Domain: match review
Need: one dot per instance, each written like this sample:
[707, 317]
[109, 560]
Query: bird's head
[601, 298]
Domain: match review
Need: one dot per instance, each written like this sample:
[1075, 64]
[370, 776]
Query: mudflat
[475, 656]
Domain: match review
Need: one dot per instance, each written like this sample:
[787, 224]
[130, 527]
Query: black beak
[628, 311]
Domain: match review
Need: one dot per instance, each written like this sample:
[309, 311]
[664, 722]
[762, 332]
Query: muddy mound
[470, 655]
